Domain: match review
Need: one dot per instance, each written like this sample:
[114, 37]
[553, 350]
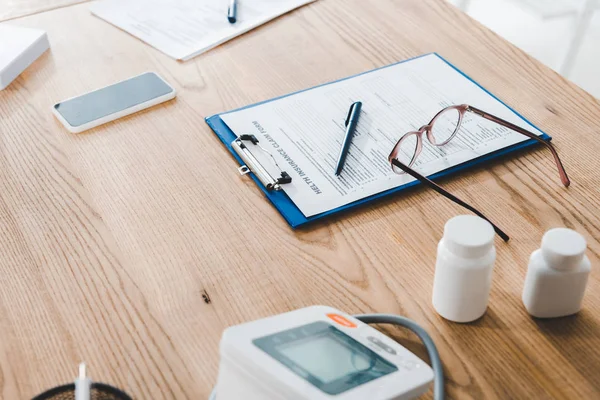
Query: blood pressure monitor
[316, 353]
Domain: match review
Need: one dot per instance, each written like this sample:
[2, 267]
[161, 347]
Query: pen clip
[350, 111]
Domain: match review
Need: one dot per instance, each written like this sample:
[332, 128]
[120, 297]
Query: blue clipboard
[296, 218]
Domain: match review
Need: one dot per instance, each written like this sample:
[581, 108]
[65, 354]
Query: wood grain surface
[132, 246]
[10, 9]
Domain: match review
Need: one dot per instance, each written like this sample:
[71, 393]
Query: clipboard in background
[284, 204]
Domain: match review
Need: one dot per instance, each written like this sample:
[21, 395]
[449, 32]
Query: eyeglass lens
[443, 129]
[445, 126]
[407, 149]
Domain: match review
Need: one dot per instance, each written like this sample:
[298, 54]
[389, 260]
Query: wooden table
[11, 9]
[134, 245]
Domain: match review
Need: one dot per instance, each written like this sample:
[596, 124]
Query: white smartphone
[95, 108]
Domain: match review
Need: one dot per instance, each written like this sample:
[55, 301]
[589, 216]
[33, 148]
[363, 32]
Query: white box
[19, 47]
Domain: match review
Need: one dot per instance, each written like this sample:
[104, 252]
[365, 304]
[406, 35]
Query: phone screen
[112, 99]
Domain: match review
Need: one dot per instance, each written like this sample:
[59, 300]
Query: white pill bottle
[557, 275]
[464, 269]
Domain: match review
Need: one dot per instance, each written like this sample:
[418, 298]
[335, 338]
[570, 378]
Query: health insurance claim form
[304, 131]
[184, 29]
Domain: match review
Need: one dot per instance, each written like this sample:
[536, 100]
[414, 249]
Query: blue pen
[232, 12]
[351, 123]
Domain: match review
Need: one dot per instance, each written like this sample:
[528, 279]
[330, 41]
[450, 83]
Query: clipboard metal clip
[254, 166]
[244, 170]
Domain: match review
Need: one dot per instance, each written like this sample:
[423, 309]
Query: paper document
[184, 29]
[304, 131]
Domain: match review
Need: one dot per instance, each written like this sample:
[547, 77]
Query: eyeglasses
[440, 131]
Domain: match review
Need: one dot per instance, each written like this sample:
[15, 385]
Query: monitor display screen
[326, 357]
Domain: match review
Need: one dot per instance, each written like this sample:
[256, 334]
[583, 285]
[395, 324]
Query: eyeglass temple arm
[448, 195]
[561, 169]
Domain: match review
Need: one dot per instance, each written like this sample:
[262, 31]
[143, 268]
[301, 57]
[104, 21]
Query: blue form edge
[292, 213]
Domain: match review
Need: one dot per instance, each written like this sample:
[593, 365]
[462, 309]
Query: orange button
[342, 320]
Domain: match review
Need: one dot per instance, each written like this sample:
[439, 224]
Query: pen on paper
[232, 12]
[351, 123]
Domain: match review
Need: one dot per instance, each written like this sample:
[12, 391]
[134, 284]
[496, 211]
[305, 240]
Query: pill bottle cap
[563, 248]
[468, 236]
